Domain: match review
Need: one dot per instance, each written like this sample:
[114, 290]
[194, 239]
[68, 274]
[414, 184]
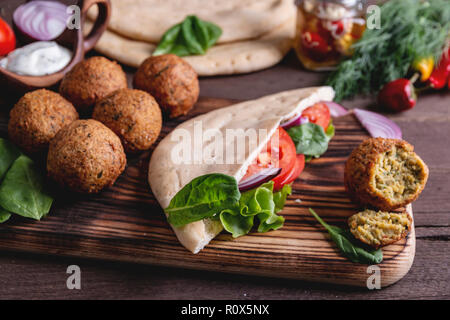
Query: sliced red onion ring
[41, 20]
[378, 125]
[258, 179]
[336, 110]
[297, 121]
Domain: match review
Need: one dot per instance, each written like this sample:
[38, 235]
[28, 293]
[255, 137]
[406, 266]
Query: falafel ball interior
[379, 228]
[398, 174]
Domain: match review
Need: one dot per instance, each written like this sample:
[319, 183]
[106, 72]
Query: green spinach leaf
[346, 244]
[8, 154]
[202, 198]
[4, 215]
[309, 139]
[192, 36]
[21, 191]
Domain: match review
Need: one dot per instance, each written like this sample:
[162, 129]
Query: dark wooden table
[25, 276]
[427, 126]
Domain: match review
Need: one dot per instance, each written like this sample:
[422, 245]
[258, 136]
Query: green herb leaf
[345, 242]
[202, 198]
[21, 191]
[214, 33]
[409, 29]
[8, 154]
[309, 139]
[4, 215]
[192, 36]
[168, 40]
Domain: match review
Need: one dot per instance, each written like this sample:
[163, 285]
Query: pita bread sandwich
[232, 168]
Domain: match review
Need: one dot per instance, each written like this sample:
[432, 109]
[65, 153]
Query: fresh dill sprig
[410, 30]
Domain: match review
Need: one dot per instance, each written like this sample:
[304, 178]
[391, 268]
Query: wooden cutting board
[125, 223]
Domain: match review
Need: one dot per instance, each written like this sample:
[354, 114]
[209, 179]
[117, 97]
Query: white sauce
[37, 59]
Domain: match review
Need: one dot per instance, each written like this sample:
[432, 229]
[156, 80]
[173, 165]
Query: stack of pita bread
[256, 33]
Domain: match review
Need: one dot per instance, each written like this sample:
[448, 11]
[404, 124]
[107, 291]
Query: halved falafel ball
[37, 117]
[385, 173]
[378, 229]
[90, 81]
[134, 115]
[86, 157]
[171, 80]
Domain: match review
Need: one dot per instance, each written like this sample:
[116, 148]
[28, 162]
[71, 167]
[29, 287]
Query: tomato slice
[297, 170]
[279, 153]
[318, 114]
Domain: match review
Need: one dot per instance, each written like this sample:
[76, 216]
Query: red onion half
[41, 20]
[258, 179]
[378, 125]
[297, 121]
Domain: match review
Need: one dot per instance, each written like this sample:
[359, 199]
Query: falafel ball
[91, 80]
[86, 157]
[378, 229]
[133, 115]
[385, 173]
[171, 80]
[37, 117]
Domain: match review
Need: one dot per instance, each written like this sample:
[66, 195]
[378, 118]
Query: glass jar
[326, 30]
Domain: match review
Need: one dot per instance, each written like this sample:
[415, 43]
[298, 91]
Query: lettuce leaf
[330, 131]
[260, 202]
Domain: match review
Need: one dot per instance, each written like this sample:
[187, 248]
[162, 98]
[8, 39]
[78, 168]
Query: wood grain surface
[125, 223]
[427, 127]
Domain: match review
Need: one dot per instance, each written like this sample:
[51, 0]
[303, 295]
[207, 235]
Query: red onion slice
[297, 121]
[378, 125]
[41, 20]
[258, 179]
[336, 110]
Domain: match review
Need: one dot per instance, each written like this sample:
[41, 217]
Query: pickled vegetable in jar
[326, 30]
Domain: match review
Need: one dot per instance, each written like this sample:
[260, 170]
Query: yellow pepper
[425, 66]
[344, 43]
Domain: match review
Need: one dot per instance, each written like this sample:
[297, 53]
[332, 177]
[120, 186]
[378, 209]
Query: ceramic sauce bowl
[72, 39]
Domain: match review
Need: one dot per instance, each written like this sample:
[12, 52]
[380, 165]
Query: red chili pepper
[316, 45]
[440, 75]
[398, 95]
[336, 28]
